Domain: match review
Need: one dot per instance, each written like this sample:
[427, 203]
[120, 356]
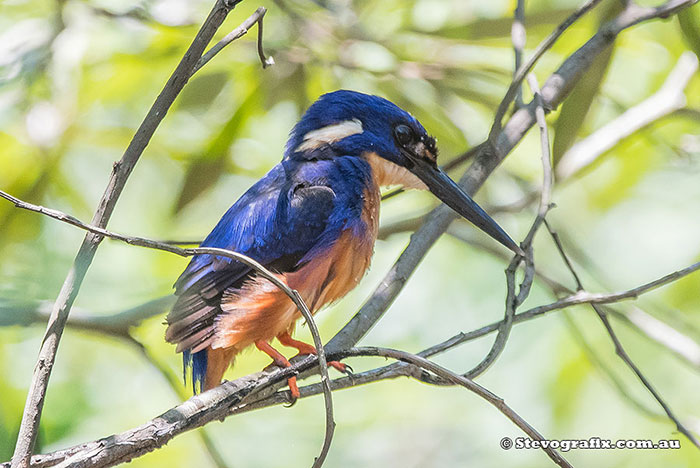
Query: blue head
[351, 123]
[348, 123]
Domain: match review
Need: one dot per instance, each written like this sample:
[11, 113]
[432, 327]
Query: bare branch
[584, 297]
[240, 31]
[513, 301]
[220, 401]
[555, 89]
[524, 69]
[259, 268]
[120, 173]
[619, 349]
[254, 384]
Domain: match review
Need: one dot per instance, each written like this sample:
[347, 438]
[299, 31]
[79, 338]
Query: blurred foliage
[77, 77]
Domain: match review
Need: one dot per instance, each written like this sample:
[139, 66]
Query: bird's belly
[261, 311]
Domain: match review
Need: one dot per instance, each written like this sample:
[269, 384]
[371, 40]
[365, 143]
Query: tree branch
[240, 31]
[120, 173]
[555, 89]
[259, 268]
[619, 349]
[220, 401]
[518, 38]
[513, 301]
[525, 68]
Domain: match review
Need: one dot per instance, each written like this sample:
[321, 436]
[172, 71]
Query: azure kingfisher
[313, 220]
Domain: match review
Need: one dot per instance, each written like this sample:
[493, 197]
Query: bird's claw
[294, 394]
[342, 367]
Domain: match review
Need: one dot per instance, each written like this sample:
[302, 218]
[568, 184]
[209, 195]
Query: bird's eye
[404, 134]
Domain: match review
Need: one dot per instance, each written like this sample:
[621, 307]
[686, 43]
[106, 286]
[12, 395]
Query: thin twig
[518, 38]
[259, 268]
[555, 89]
[513, 301]
[525, 68]
[584, 297]
[547, 179]
[240, 31]
[120, 173]
[469, 384]
[619, 349]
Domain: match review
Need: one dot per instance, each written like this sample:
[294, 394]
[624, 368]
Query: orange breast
[260, 311]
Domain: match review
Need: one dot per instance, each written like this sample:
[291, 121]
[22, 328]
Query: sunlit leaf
[206, 169]
[576, 107]
[689, 20]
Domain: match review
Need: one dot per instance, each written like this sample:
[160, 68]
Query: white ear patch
[317, 138]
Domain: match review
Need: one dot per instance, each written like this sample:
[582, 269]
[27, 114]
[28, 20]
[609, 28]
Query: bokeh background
[77, 77]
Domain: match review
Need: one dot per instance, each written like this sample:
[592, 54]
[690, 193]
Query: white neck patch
[323, 136]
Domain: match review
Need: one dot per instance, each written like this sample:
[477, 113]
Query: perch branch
[120, 173]
[260, 269]
[555, 89]
[237, 396]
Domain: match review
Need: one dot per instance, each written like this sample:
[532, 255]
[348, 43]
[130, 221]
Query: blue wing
[277, 222]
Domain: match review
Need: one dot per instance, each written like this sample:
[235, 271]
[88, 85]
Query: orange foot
[279, 360]
[305, 348]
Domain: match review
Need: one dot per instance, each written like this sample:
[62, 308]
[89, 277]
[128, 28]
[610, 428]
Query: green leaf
[689, 20]
[577, 106]
[202, 90]
[206, 169]
[483, 28]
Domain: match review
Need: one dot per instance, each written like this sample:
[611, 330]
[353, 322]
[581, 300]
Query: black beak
[453, 196]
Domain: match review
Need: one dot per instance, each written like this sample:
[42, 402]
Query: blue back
[294, 213]
[297, 211]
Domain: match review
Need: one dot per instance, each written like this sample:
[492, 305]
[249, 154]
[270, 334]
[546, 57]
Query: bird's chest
[340, 267]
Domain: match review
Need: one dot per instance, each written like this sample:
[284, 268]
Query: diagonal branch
[259, 268]
[120, 173]
[240, 31]
[619, 349]
[554, 91]
[525, 68]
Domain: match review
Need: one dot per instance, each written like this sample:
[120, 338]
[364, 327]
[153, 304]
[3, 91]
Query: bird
[313, 221]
